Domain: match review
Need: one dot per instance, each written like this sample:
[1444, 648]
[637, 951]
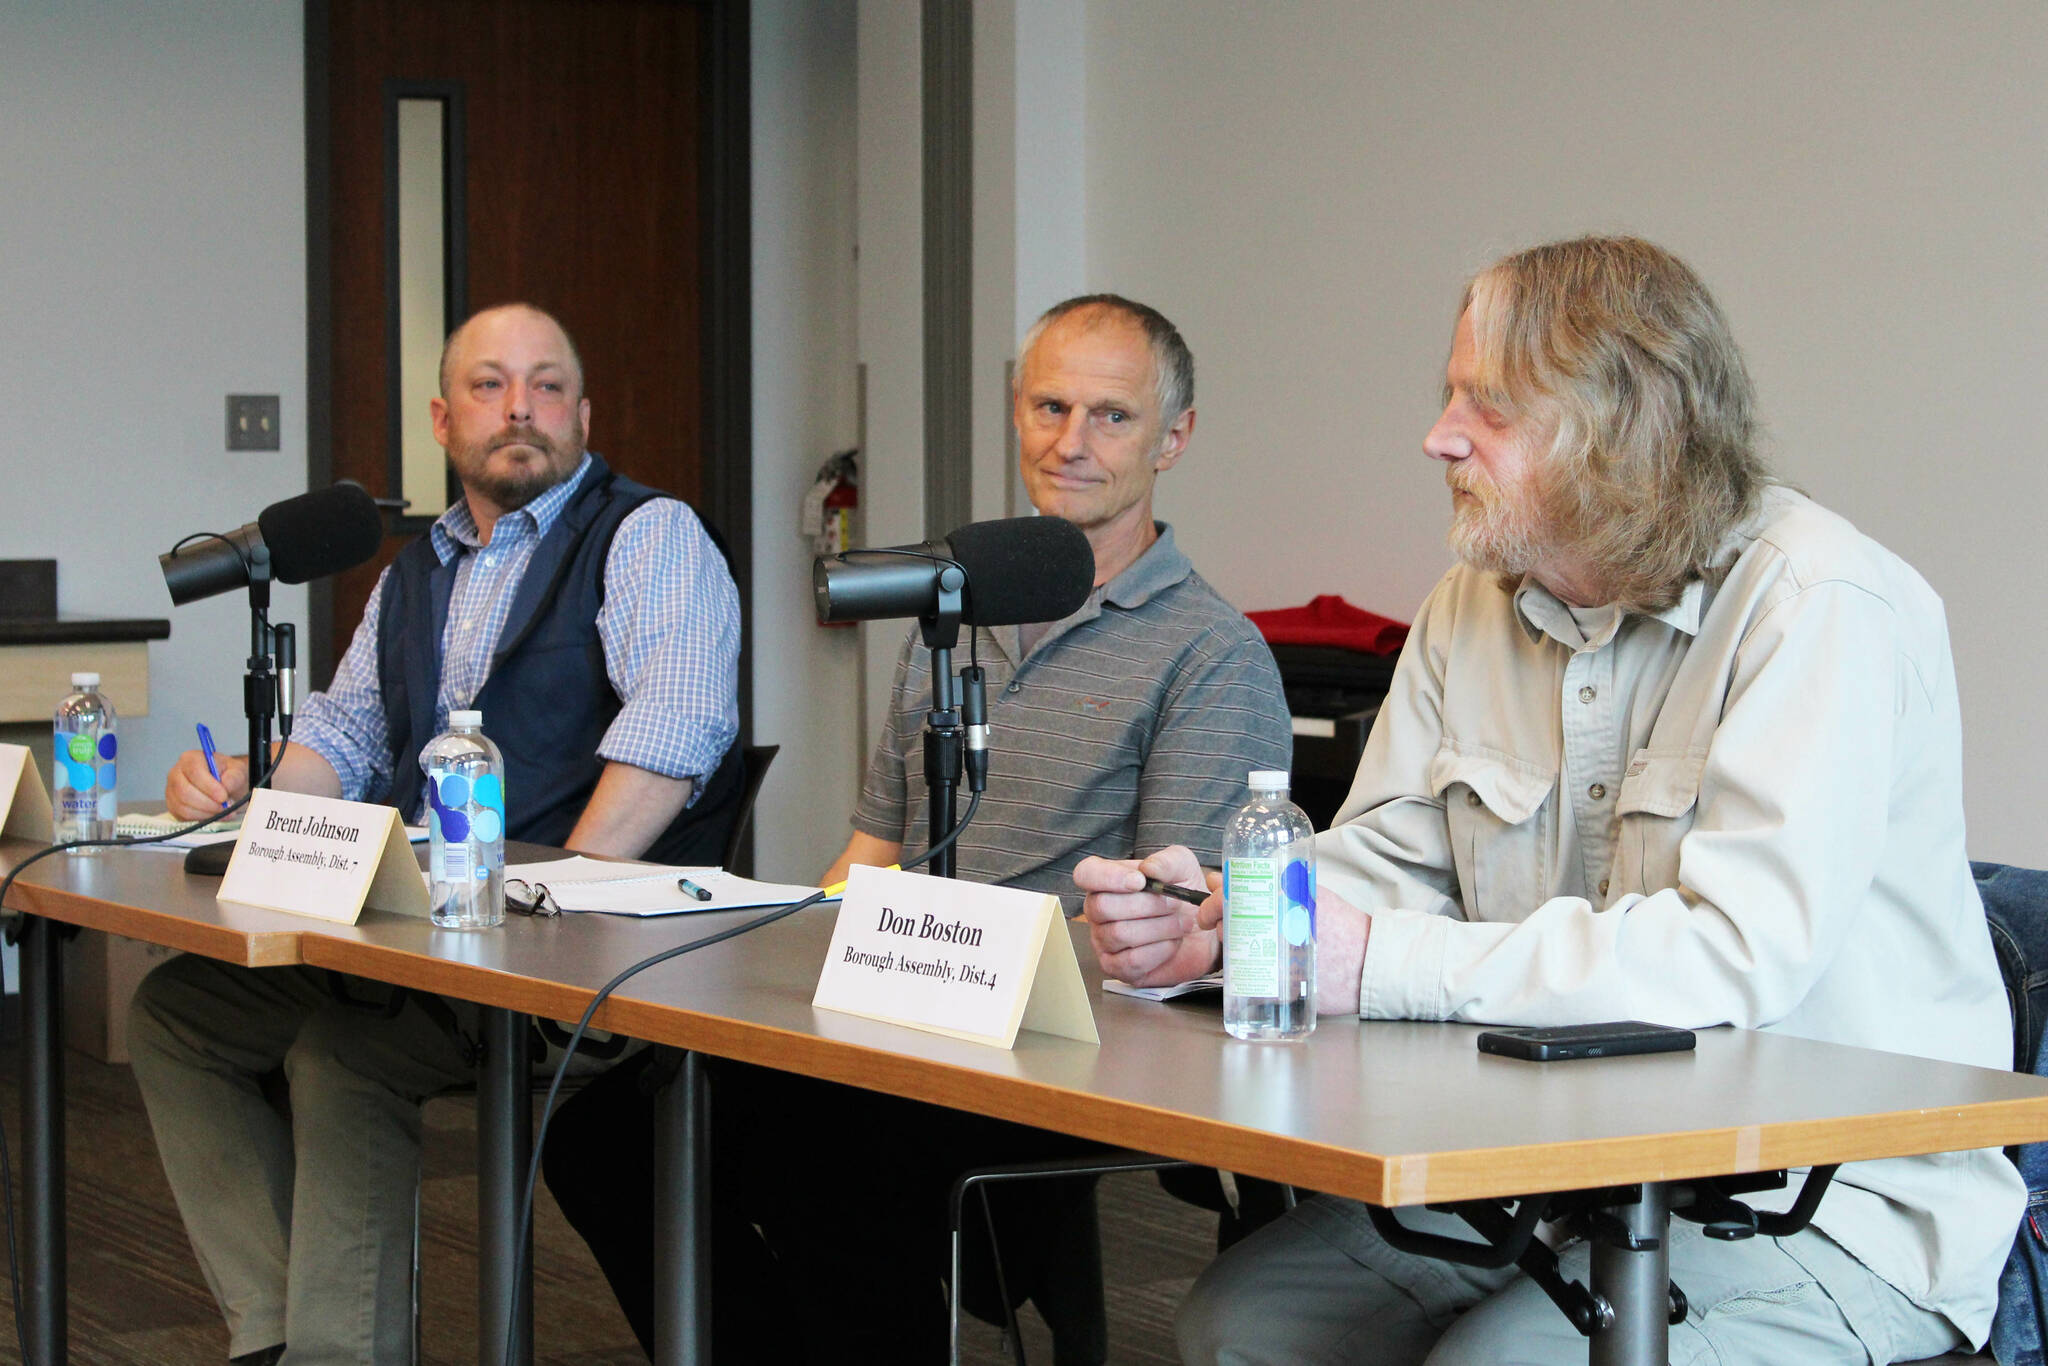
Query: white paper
[586, 884]
[1194, 985]
[182, 843]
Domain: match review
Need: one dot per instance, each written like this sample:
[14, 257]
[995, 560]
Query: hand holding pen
[204, 781]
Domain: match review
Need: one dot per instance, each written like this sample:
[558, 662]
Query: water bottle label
[82, 761]
[466, 819]
[1252, 924]
[1298, 890]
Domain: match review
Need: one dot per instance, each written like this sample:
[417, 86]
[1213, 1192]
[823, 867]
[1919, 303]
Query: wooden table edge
[1381, 1179]
[249, 948]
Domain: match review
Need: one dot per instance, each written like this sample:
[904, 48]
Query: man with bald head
[596, 626]
[1136, 719]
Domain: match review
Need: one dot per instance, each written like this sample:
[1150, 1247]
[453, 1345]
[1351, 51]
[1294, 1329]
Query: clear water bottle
[1269, 915]
[466, 825]
[82, 779]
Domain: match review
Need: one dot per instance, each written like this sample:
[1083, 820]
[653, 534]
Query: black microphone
[285, 650]
[1020, 569]
[303, 538]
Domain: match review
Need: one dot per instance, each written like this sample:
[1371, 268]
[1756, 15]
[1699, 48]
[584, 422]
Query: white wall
[1030, 176]
[806, 678]
[152, 261]
[1304, 188]
[890, 305]
[993, 243]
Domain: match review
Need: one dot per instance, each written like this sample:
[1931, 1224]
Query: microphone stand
[259, 688]
[944, 735]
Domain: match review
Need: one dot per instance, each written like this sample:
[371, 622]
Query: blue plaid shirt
[670, 626]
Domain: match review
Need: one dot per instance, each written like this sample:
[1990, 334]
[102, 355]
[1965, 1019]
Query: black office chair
[754, 762]
[2016, 907]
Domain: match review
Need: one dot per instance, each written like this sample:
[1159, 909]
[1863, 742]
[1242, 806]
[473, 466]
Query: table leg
[682, 1203]
[1636, 1281]
[42, 1126]
[504, 1147]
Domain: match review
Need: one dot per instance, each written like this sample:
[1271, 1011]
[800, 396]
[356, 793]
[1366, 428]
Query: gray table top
[1392, 1112]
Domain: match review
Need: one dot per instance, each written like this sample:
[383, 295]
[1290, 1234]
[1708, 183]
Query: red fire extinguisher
[829, 507]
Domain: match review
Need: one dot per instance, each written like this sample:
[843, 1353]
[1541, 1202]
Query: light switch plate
[252, 422]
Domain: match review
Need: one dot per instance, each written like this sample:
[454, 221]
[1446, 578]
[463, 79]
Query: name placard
[25, 813]
[954, 958]
[323, 857]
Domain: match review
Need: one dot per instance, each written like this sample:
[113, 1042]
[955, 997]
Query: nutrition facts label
[1251, 935]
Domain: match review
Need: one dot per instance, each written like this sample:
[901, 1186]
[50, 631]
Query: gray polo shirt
[1127, 727]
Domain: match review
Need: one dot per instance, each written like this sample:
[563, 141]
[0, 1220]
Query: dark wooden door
[581, 149]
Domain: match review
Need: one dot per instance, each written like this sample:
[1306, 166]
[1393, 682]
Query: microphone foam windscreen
[321, 533]
[1023, 569]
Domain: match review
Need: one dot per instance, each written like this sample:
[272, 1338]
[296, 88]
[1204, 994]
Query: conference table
[1392, 1113]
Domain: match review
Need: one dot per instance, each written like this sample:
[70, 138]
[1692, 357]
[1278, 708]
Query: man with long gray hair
[1670, 743]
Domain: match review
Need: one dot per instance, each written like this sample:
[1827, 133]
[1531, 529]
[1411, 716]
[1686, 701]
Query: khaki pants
[1321, 1286]
[303, 1225]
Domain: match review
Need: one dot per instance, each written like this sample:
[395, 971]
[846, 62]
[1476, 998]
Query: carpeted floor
[136, 1294]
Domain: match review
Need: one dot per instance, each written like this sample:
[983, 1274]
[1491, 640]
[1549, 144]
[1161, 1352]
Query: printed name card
[954, 958]
[323, 857]
[24, 801]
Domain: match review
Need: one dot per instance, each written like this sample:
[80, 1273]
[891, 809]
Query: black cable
[214, 536]
[13, 936]
[519, 1248]
[906, 552]
[898, 551]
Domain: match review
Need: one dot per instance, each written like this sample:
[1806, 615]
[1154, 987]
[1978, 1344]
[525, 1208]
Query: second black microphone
[1019, 570]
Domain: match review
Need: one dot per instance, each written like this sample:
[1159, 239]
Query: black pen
[702, 894]
[1187, 894]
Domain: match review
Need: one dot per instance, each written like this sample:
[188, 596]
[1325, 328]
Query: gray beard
[1495, 545]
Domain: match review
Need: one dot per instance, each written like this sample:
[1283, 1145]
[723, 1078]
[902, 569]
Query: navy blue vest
[547, 700]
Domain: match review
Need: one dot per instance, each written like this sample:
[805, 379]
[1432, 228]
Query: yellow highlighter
[836, 888]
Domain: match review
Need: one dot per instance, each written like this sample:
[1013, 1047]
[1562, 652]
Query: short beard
[515, 490]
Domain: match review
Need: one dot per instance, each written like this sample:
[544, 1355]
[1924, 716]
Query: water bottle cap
[467, 720]
[1264, 779]
[86, 679]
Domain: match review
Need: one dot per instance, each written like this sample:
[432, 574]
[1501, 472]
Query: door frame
[726, 327]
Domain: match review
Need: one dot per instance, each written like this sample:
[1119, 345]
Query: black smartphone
[1558, 1042]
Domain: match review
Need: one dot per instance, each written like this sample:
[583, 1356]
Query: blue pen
[206, 748]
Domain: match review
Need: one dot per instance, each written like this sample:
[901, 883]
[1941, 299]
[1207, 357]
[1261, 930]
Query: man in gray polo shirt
[1128, 725]
[1135, 718]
